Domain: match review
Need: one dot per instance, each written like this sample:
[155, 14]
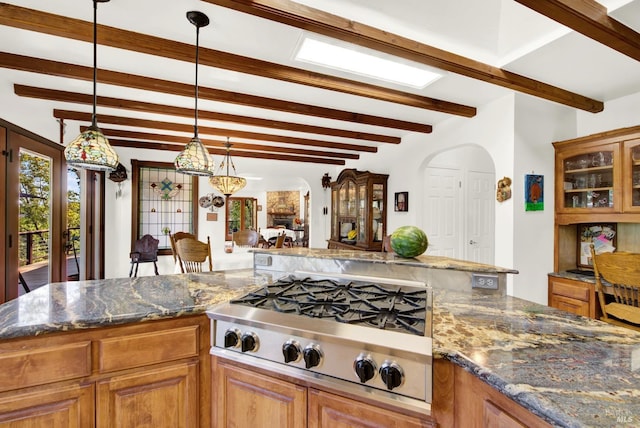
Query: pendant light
[91, 149]
[227, 184]
[195, 159]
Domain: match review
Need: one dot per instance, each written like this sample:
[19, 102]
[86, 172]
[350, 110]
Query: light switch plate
[484, 281]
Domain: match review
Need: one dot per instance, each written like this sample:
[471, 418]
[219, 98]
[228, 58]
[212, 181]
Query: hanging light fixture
[227, 184]
[91, 149]
[195, 159]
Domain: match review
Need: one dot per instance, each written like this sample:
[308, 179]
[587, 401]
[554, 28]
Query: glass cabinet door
[377, 212]
[632, 176]
[588, 180]
[362, 203]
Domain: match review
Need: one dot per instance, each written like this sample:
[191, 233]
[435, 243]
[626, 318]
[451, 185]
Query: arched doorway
[459, 204]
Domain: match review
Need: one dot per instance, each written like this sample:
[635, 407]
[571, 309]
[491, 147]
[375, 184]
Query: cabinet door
[54, 407]
[327, 410]
[631, 176]
[589, 180]
[242, 398]
[165, 397]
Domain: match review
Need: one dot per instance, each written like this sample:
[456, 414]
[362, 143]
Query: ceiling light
[353, 60]
[195, 159]
[227, 184]
[91, 149]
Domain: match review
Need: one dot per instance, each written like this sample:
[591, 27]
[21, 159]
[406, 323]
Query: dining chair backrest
[192, 254]
[145, 250]
[621, 271]
[175, 238]
[280, 240]
[245, 238]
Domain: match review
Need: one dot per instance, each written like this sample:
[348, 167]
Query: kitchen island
[569, 370]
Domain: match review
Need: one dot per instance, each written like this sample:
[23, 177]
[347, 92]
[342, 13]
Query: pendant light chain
[195, 125]
[94, 121]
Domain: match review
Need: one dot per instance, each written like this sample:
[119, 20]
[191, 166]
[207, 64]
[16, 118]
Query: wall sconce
[326, 181]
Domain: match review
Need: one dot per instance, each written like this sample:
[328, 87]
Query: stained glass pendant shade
[195, 159]
[91, 149]
[227, 184]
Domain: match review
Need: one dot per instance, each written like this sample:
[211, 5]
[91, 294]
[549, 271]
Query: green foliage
[34, 193]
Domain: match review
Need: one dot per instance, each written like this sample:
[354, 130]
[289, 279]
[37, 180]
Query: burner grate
[360, 303]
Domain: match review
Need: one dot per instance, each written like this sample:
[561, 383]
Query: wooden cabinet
[463, 400]
[164, 397]
[573, 296]
[358, 202]
[243, 398]
[328, 410]
[597, 178]
[151, 374]
[246, 396]
[597, 181]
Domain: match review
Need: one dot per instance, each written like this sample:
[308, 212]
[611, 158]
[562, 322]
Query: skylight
[355, 61]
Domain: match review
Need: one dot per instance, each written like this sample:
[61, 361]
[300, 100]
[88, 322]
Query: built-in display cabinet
[597, 183]
[358, 204]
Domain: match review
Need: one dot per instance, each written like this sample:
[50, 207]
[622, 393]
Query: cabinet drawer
[117, 353]
[570, 290]
[36, 366]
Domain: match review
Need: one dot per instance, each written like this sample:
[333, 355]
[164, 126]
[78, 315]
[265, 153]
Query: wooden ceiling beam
[150, 136]
[590, 18]
[317, 21]
[61, 69]
[62, 26]
[74, 97]
[116, 142]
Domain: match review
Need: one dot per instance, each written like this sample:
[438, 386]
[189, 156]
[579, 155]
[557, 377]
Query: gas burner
[352, 302]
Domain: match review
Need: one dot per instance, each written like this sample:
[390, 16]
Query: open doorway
[459, 204]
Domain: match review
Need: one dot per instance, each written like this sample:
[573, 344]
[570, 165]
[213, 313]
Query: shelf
[590, 189]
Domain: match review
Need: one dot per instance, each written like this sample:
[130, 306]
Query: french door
[34, 213]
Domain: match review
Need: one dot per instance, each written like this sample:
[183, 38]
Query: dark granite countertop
[570, 370]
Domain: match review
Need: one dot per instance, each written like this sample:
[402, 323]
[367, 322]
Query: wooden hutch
[358, 203]
[597, 187]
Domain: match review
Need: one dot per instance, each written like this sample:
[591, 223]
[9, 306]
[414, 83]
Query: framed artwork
[401, 202]
[534, 192]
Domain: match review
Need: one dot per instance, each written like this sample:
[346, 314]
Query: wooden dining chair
[192, 254]
[280, 240]
[622, 272]
[176, 237]
[245, 238]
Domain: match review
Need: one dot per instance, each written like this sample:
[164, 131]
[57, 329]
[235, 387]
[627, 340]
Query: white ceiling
[501, 33]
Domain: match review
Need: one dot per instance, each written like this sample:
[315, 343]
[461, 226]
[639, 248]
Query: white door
[480, 207]
[441, 208]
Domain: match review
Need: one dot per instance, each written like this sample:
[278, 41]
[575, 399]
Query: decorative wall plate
[218, 201]
[205, 201]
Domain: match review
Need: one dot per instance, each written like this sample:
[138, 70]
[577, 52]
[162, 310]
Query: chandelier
[91, 149]
[194, 159]
[227, 184]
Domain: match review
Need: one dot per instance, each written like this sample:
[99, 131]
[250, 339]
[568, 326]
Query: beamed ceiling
[252, 91]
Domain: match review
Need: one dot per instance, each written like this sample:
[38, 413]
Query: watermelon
[409, 241]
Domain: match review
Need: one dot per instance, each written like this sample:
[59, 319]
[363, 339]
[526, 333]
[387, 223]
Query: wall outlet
[484, 281]
[262, 260]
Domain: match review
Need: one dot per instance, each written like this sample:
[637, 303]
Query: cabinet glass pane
[334, 212]
[351, 203]
[635, 176]
[377, 211]
[362, 200]
[588, 180]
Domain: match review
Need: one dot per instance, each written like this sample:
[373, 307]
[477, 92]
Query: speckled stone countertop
[98, 303]
[387, 258]
[570, 370]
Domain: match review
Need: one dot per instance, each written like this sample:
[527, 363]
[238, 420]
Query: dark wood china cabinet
[358, 210]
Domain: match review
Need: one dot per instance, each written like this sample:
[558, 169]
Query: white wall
[282, 174]
[537, 124]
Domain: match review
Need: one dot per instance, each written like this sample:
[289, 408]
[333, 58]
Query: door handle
[472, 242]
